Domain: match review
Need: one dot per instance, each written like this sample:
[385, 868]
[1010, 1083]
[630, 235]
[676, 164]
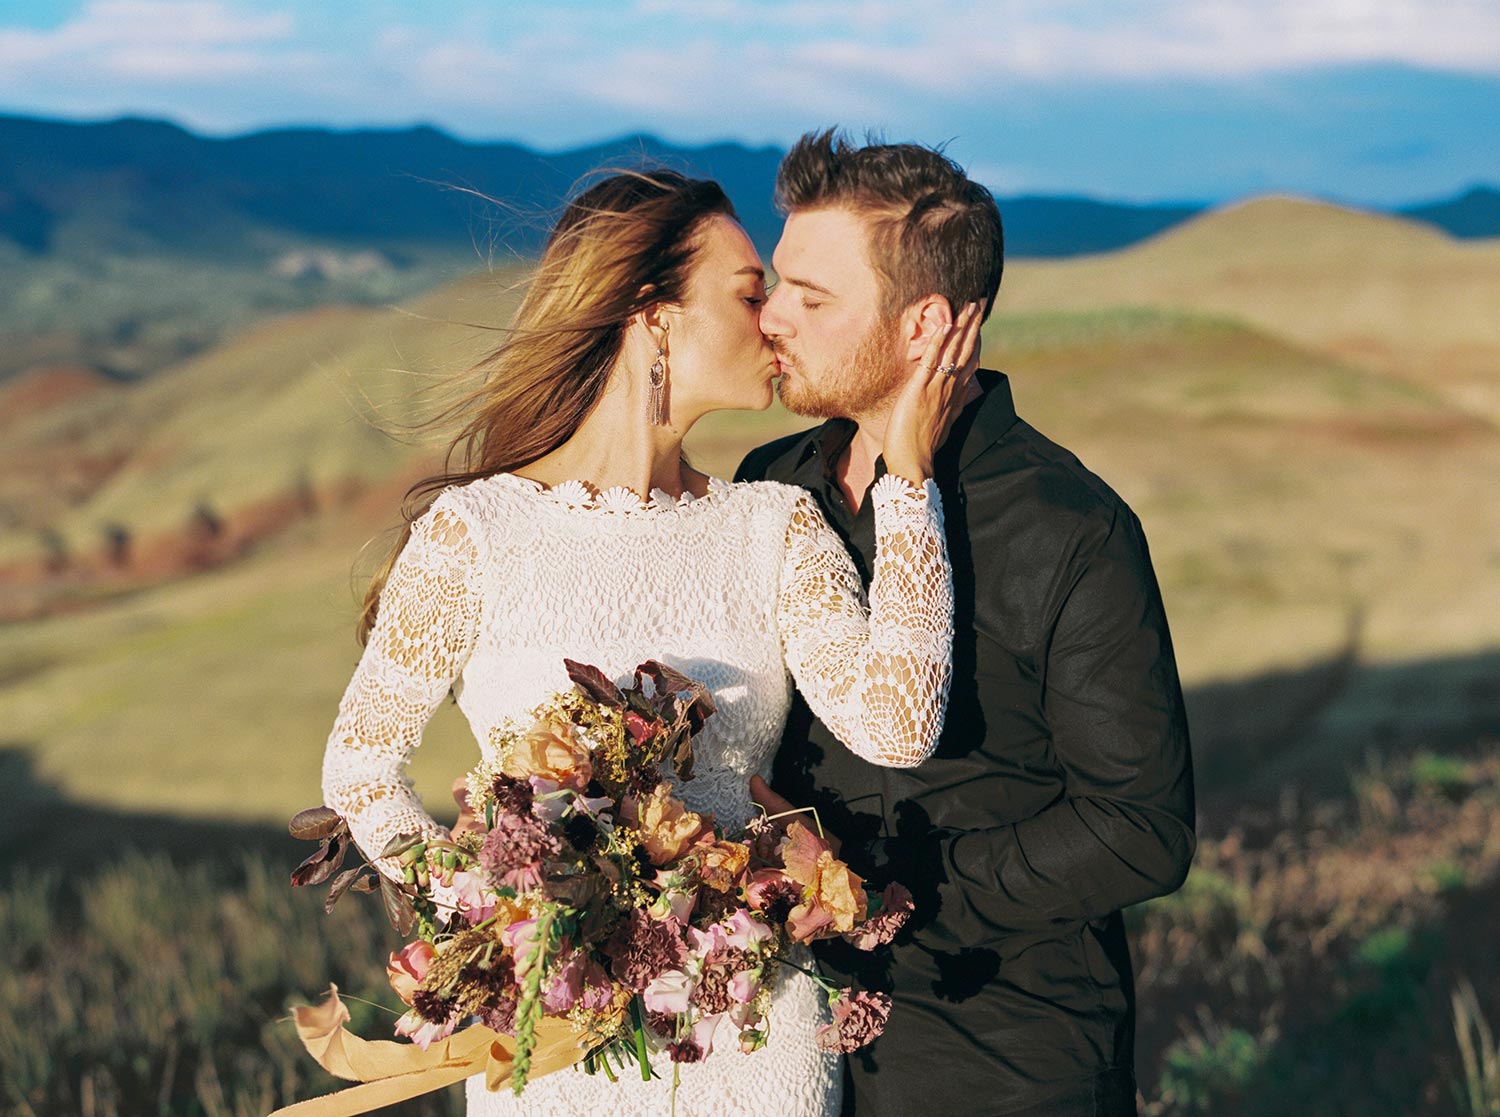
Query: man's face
[836, 352]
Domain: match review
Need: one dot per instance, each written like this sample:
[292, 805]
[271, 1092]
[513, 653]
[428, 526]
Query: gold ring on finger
[948, 370]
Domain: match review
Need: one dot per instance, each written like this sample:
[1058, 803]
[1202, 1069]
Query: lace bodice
[746, 589]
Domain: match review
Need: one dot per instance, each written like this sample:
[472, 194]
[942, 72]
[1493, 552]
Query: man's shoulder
[1048, 483]
[775, 460]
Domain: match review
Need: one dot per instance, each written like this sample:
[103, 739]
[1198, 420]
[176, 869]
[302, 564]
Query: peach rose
[724, 864]
[551, 749]
[667, 828]
[408, 966]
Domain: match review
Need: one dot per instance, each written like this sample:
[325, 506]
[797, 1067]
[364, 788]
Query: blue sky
[1380, 101]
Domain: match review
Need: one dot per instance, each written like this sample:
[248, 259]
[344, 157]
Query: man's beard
[873, 374]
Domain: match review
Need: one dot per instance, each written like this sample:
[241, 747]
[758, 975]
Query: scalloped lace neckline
[578, 496]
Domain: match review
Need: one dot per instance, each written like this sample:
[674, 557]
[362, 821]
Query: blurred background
[1253, 281]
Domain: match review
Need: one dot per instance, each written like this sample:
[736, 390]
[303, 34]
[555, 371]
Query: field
[1297, 400]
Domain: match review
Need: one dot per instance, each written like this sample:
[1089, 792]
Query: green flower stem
[640, 1038]
[800, 810]
[823, 983]
[529, 1009]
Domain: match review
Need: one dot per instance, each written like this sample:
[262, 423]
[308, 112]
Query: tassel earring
[657, 409]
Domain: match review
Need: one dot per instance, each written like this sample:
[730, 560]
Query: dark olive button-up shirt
[1061, 790]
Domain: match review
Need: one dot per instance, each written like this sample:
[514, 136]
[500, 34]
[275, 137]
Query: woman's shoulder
[775, 494]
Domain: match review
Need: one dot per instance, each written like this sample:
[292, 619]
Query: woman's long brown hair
[624, 245]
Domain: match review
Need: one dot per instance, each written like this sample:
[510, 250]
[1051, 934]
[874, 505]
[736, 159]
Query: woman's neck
[618, 446]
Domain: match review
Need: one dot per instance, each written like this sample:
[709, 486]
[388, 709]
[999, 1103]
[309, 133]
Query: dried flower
[858, 1018]
[722, 865]
[644, 948]
[895, 909]
[714, 992]
[514, 850]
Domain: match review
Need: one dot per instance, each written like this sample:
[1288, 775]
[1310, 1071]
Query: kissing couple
[921, 617]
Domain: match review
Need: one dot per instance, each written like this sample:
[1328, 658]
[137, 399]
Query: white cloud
[151, 40]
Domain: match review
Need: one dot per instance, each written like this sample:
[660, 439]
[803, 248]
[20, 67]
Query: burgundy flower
[500, 1016]
[685, 1050]
[895, 909]
[774, 893]
[432, 1007]
[858, 1019]
[663, 1024]
[512, 796]
[645, 948]
[712, 993]
[514, 850]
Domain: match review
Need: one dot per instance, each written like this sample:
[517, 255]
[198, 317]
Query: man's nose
[772, 324]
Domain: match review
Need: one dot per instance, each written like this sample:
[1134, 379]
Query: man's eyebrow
[751, 269]
[810, 285]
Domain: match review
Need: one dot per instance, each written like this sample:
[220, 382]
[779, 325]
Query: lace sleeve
[877, 679]
[424, 631]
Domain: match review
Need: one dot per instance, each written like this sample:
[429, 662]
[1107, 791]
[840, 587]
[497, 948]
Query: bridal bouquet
[580, 907]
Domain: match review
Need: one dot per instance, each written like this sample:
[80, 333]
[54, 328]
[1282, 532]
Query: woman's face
[717, 358]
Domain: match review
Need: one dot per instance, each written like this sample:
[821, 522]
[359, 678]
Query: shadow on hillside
[1307, 732]
[40, 827]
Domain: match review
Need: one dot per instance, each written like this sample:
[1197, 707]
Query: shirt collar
[982, 424]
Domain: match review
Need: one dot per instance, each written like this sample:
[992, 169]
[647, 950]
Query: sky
[1371, 101]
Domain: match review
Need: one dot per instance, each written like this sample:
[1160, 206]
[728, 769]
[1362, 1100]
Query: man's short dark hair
[934, 231]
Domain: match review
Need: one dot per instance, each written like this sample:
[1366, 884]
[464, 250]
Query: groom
[1061, 791]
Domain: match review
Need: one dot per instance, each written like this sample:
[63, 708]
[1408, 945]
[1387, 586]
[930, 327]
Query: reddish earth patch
[47, 386]
[61, 582]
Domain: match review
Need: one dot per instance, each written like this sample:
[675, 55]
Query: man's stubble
[873, 375]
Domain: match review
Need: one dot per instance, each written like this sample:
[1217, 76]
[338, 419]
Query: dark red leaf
[315, 824]
[398, 906]
[681, 752]
[367, 883]
[595, 683]
[318, 866]
[341, 885]
[698, 705]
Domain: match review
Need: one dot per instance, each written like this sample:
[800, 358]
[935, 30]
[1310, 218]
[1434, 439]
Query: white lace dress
[746, 589]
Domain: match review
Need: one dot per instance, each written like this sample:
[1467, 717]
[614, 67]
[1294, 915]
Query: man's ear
[921, 320]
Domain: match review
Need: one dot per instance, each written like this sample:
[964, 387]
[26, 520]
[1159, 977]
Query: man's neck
[855, 469]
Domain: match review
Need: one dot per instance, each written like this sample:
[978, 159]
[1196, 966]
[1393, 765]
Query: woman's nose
[771, 322]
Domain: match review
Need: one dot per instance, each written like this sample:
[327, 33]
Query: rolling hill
[1372, 290]
[1302, 510]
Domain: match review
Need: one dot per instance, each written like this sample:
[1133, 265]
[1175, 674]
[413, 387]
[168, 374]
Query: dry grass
[1306, 965]
[1394, 295]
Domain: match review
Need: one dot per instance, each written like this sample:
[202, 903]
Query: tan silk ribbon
[389, 1072]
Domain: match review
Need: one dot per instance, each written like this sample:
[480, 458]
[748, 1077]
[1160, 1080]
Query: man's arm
[1123, 832]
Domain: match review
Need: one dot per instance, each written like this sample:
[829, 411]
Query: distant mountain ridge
[142, 185]
[138, 185]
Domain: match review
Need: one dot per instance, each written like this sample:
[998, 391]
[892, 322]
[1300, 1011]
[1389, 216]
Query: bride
[575, 528]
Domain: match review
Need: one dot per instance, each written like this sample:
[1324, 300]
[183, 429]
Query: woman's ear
[654, 322]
